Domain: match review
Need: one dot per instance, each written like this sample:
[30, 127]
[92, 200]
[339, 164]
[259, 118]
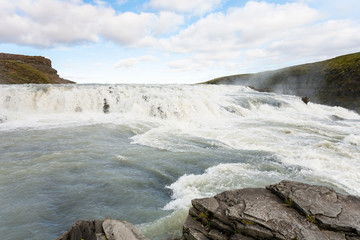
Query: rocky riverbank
[287, 210]
[284, 211]
[21, 69]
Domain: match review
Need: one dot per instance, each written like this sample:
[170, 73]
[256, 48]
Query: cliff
[334, 82]
[21, 69]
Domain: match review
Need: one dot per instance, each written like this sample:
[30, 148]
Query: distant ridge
[334, 82]
[21, 69]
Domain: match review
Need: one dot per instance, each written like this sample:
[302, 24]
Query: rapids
[142, 152]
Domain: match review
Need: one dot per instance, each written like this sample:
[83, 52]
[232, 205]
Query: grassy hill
[334, 82]
[21, 69]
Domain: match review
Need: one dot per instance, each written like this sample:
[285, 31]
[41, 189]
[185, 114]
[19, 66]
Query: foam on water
[189, 141]
[46, 105]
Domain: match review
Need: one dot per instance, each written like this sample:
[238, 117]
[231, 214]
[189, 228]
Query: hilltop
[334, 82]
[21, 69]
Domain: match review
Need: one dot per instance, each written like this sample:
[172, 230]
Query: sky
[177, 41]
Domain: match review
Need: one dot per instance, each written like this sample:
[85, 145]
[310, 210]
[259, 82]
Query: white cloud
[131, 62]
[121, 2]
[261, 30]
[168, 22]
[48, 23]
[328, 38]
[126, 28]
[257, 33]
[255, 23]
[186, 6]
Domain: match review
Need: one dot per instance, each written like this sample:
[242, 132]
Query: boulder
[89, 230]
[288, 210]
[109, 229]
[305, 99]
[121, 230]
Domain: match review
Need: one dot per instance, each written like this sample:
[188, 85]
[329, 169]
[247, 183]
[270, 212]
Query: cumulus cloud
[48, 23]
[239, 36]
[167, 22]
[185, 6]
[255, 23]
[131, 62]
[260, 30]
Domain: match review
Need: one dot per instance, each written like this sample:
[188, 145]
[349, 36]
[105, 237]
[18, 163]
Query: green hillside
[21, 69]
[334, 82]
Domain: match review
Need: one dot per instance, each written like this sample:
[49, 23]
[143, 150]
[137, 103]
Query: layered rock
[20, 69]
[288, 210]
[109, 229]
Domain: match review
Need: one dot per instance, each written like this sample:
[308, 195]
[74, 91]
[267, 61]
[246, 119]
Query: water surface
[63, 159]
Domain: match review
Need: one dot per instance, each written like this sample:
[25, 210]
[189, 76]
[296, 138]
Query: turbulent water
[141, 153]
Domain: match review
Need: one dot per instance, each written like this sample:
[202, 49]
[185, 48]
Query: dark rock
[287, 210]
[305, 99]
[106, 106]
[331, 210]
[261, 90]
[109, 229]
[336, 118]
[89, 230]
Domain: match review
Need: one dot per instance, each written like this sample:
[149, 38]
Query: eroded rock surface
[118, 230]
[89, 230]
[288, 210]
[331, 210]
[109, 229]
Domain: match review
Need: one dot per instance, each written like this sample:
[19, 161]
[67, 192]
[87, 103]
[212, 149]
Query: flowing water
[141, 153]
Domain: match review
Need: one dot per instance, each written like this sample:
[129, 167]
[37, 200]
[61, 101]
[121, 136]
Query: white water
[156, 149]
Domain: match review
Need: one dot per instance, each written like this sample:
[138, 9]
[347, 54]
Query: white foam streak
[215, 180]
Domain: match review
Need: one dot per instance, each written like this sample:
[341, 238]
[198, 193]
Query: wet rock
[109, 229]
[158, 112]
[261, 89]
[305, 99]
[89, 230]
[331, 210]
[106, 106]
[287, 210]
[336, 118]
[118, 230]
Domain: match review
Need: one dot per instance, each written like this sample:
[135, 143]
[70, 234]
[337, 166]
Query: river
[141, 152]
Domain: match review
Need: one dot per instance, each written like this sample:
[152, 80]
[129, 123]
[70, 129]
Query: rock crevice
[287, 210]
[108, 229]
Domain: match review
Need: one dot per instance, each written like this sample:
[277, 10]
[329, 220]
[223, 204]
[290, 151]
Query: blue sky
[177, 41]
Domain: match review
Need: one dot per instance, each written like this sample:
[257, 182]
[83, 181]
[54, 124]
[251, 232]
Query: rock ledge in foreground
[287, 210]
